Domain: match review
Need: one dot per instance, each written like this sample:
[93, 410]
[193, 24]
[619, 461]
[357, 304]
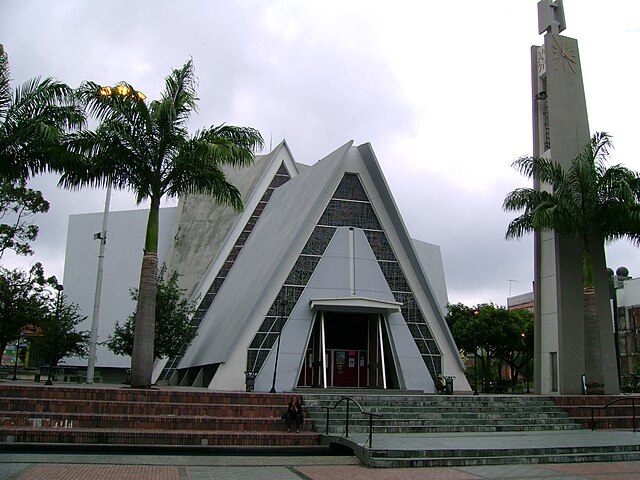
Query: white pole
[93, 341]
[324, 351]
[384, 373]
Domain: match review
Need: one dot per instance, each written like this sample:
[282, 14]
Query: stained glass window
[349, 207]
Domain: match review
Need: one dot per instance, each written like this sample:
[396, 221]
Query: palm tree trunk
[593, 345]
[144, 334]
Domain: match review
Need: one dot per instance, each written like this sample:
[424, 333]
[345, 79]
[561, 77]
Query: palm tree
[33, 120]
[586, 201]
[146, 148]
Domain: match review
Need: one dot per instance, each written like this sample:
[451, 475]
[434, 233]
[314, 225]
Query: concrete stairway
[439, 430]
[441, 413]
[172, 419]
[497, 453]
[618, 415]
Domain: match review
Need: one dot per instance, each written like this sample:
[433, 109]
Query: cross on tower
[551, 17]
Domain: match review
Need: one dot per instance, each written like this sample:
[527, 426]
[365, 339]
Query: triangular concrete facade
[248, 297]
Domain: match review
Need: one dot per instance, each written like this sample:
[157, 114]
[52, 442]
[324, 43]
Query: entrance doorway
[352, 354]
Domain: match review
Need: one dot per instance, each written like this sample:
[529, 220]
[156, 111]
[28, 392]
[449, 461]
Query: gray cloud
[440, 89]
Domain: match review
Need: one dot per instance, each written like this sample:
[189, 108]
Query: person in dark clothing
[294, 414]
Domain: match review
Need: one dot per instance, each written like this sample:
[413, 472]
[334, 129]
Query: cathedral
[315, 283]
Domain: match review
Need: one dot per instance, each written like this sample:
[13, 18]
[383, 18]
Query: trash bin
[250, 380]
[449, 385]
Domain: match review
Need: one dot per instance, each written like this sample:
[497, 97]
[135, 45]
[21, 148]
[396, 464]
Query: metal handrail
[349, 400]
[633, 406]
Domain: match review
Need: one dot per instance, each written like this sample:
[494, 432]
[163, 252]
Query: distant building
[520, 302]
[317, 276]
[627, 315]
[626, 312]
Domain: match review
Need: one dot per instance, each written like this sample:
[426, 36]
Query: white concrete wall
[122, 261]
[629, 295]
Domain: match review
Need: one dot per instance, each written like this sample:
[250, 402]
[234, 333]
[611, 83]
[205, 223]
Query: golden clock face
[563, 55]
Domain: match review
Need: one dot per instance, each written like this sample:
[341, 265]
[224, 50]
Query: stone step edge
[452, 420]
[427, 402]
[499, 452]
[203, 400]
[445, 432]
[270, 450]
[357, 416]
[445, 429]
[445, 411]
[146, 404]
[502, 460]
[113, 416]
[136, 431]
[338, 424]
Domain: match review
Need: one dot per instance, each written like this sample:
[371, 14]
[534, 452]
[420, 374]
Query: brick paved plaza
[154, 467]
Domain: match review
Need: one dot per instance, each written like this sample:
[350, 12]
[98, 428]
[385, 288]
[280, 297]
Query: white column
[384, 373]
[324, 351]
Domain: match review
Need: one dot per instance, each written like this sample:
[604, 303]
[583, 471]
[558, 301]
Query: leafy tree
[586, 201]
[173, 321]
[146, 148]
[462, 323]
[19, 203]
[518, 333]
[22, 301]
[59, 337]
[33, 120]
[491, 333]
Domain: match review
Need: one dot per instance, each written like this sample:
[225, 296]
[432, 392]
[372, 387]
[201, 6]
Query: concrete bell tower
[560, 131]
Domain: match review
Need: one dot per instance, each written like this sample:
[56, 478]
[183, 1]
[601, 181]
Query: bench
[67, 374]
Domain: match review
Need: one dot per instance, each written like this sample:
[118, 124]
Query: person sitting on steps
[293, 414]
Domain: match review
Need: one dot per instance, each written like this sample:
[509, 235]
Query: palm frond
[587, 199]
[520, 226]
[178, 100]
[5, 87]
[34, 120]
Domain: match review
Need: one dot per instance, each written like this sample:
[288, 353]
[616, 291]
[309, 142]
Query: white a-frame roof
[267, 260]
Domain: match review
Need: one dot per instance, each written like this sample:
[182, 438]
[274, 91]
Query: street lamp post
[475, 353]
[283, 305]
[93, 339]
[59, 288]
[123, 91]
[15, 363]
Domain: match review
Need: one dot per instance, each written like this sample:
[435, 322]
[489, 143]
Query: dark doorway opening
[352, 352]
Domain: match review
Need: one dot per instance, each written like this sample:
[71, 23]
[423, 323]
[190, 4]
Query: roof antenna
[270, 141]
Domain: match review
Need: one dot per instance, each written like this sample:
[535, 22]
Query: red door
[362, 368]
[345, 368]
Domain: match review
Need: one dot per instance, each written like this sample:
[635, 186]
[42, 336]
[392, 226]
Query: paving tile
[241, 473]
[599, 471]
[100, 472]
[10, 470]
[365, 473]
[526, 471]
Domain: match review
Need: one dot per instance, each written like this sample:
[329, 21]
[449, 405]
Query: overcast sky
[442, 91]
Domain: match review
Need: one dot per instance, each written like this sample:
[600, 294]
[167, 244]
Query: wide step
[440, 414]
[85, 416]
